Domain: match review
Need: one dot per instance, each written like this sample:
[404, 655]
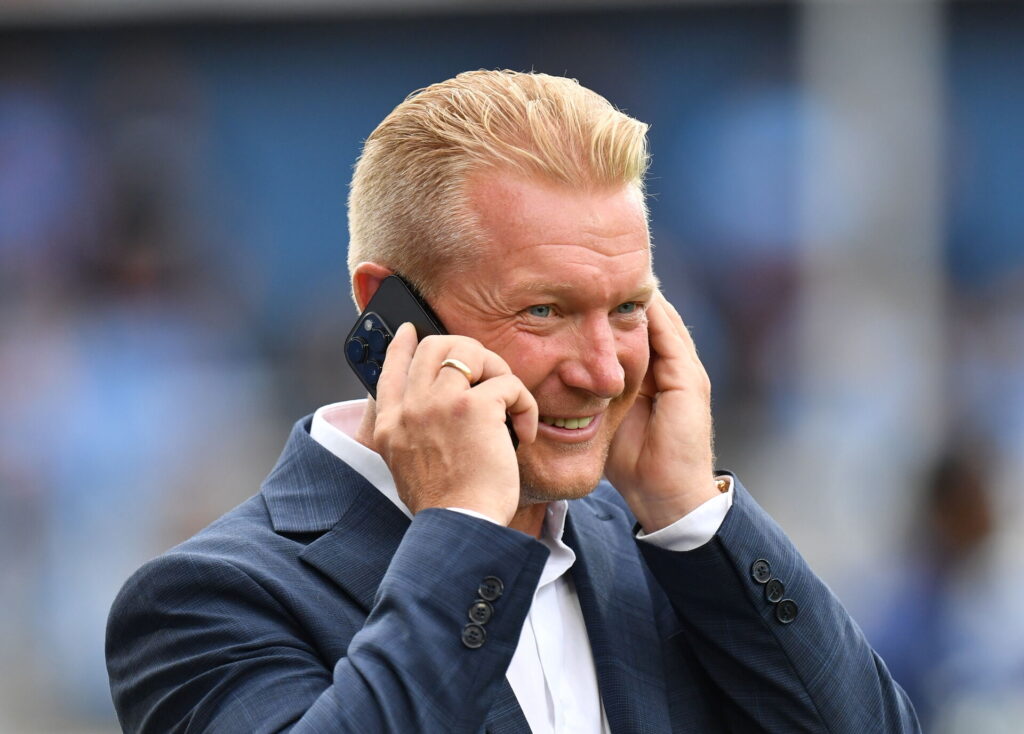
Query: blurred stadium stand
[837, 210]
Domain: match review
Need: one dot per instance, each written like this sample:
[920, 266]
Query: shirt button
[480, 612]
[473, 636]
[786, 611]
[491, 588]
[774, 591]
[761, 571]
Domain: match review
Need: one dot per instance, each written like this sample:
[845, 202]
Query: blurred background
[838, 211]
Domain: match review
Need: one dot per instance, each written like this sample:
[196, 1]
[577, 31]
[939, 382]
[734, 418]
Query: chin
[559, 478]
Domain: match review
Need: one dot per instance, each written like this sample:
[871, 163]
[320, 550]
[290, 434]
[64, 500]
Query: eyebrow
[642, 292]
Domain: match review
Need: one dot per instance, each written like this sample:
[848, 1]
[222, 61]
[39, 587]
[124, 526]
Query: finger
[674, 357]
[426, 372]
[512, 397]
[649, 385]
[662, 306]
[668, 337]
[455, 366]
[391, 384]
[426, 363]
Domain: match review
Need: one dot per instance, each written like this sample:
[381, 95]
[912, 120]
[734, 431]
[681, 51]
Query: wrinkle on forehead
[549, 266]
[598, 244]
[600, 235]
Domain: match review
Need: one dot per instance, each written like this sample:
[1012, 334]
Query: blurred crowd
[173, 296]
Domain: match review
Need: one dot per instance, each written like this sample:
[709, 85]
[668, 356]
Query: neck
[528, 519]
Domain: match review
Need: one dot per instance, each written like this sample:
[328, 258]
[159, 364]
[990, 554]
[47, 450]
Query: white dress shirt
[552, 671]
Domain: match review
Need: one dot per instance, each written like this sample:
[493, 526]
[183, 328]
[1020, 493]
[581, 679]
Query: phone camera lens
[356, 349]
[372, 371]
[378, 340]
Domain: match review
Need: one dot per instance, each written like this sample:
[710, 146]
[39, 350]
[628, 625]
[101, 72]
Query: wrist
[472, 506]
[474, 513]
[656, 513]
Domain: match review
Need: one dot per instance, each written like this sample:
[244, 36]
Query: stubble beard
[536, 483]
[535, 487]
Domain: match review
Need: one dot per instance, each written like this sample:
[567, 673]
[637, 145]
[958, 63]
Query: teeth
[571, 423]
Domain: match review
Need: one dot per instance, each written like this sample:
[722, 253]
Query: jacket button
[761, 571]
[473, 636]
[480, 612]
[786, 611]
[774, 591]
[491, 588]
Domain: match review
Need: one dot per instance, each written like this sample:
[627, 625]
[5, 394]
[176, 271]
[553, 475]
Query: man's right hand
[445, 440]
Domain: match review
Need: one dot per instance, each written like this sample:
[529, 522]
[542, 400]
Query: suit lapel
[356, 552]
[311, 491]
[506, 716]
[612, 589]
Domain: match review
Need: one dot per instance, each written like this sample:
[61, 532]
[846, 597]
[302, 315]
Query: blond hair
[408, 206]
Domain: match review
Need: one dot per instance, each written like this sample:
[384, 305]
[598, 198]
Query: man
[405, 569]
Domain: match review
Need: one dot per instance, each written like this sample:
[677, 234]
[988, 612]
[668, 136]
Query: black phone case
[394, 303]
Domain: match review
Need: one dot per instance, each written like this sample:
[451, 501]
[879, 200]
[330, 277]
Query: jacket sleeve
[195, 643]
[798, 663]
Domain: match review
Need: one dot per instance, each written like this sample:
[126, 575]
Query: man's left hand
[661, 457]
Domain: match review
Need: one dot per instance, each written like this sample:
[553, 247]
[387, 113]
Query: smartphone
[394, 303]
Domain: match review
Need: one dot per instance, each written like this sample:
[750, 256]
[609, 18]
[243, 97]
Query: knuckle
[502, 364]
[431, 341]
[461, 405]
[469, 341]
[382, 432]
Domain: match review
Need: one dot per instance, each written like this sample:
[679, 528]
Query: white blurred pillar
[870, 328]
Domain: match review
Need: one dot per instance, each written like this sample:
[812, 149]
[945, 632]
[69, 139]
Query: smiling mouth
[569, 423]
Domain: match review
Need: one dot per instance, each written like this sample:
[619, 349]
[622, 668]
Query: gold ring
[460, 366]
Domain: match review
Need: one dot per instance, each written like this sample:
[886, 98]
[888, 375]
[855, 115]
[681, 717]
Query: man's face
[559, 292]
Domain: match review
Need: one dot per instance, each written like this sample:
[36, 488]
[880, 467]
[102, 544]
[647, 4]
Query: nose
[593, 363]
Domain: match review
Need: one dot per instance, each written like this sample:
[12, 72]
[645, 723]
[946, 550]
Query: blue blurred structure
[173, 291]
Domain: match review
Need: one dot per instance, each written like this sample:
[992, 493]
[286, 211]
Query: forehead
[567, 233]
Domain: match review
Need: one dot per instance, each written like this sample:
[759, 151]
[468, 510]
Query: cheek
[634, 356]
[533, 360]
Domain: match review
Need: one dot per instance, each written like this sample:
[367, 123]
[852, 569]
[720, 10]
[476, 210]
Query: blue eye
[539, 311]
[628, 307]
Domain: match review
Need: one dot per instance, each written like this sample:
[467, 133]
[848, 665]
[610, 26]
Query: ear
[366, 279]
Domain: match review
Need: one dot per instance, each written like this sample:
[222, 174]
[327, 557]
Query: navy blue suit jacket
[317, 606]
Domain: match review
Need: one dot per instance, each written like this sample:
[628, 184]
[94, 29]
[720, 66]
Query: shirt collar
[562, 556]
[333, 428]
